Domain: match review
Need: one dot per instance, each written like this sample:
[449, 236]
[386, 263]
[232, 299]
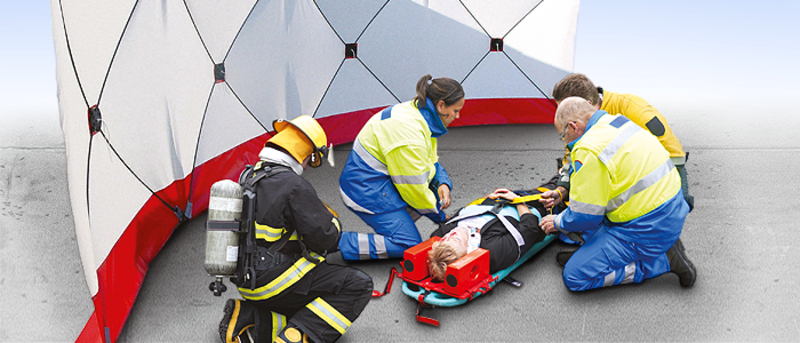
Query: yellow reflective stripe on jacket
[329, 314]
[271, 234]
[402, 148]
[336, 222]
[624, 172]
[283, 281]
[641, 112]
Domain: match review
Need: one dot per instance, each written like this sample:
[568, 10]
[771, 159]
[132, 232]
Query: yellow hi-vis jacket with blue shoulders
[647, 117]
[623, 178]
[394, 163]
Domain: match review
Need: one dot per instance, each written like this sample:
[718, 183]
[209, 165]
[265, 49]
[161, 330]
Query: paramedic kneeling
[393, 175]
[626, 194]
[461, 237]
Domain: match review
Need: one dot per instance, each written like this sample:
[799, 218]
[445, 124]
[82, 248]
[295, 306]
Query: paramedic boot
[680, 264]
[292, 334]
[563, 256]
[239, 316]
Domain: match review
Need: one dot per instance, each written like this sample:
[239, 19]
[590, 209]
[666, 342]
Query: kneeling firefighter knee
[361, 284]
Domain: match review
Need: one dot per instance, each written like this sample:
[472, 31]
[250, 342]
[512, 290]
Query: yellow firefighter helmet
[304, 137]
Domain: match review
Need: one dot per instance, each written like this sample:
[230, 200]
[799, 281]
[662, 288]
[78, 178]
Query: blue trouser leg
[605, 260]
[394, 233]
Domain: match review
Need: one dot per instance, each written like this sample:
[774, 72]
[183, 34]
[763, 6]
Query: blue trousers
[394, 233]
[605, 260]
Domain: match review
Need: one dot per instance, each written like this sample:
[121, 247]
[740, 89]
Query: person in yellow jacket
[625, 197]
[634, 108]
[393, 175]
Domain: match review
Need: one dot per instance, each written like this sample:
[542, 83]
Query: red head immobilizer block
[415, 266]
[467, 271]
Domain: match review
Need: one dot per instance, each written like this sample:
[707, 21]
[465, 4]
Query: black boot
[239, 316]
[680, 264]
[292, 334]
[563, 256]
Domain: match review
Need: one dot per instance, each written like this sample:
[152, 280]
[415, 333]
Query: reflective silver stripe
[609, 280]
[369, 159]
[584, 208]
[626, 131]
[380, 246]
[330, 317]
[647, 181]
[296, 273]
[630, 271]
[352, 204]
[363, 246]
[427, 210]
[278, 323]
[678, 160]
[411, 179]
[557, 224]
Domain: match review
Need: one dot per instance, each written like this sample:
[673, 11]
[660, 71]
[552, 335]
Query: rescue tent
[160, 99]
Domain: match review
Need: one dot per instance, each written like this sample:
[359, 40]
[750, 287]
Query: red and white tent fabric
[160, 99]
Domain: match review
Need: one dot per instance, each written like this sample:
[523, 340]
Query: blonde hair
[438, 259]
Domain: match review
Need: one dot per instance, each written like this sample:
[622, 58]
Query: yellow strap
[518, 200]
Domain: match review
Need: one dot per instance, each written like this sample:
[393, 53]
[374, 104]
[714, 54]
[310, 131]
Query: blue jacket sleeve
[440, 178]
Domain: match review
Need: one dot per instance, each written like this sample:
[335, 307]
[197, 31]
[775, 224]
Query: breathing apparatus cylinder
[222, 232]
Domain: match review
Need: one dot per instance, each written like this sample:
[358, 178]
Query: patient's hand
[503, 193]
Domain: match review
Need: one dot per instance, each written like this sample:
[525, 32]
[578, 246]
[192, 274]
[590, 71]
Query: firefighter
[634, 108]
[393, 176]
[296, 296]
[625, 196]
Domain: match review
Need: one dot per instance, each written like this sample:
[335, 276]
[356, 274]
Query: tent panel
[72, 111]
[226, 124]
[353, 82]
[349, 18]
[498, 77]
[115, 198]
[94, 28]
[218, 25]
[498, 17]
[407, 41]
[283, 60]
[157, 88]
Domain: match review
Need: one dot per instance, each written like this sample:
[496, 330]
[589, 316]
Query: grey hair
[573, 108]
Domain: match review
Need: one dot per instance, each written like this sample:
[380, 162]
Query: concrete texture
[742, 172]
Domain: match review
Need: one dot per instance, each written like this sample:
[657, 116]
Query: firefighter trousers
[323, 304]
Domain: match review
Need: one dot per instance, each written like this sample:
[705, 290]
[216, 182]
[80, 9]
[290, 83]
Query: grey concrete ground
[742, 171]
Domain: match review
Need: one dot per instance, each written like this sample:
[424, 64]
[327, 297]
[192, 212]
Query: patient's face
[457, 239]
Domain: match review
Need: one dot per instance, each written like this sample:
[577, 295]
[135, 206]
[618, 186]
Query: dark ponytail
[443, 88]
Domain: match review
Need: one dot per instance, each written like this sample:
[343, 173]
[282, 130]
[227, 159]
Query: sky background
[692, 51]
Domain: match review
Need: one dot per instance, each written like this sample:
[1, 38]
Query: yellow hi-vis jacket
[623, 177]
[647, 117]
[394, 163]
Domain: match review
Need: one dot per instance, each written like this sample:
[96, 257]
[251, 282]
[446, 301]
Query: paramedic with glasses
[625, 197]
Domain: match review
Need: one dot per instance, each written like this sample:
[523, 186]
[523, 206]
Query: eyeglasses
[564, 132]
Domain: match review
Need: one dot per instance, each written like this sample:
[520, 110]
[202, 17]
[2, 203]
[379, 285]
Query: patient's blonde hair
[438, 259]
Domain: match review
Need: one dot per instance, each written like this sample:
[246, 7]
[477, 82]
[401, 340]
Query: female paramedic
[393, 176]
[462, 236]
